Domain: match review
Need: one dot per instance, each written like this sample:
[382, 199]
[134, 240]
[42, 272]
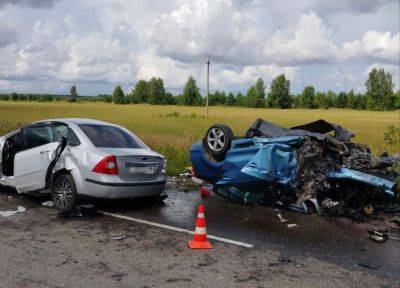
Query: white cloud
[309, 44]
[247, 76]
[198, 29]
[375, 45]
[174, 73]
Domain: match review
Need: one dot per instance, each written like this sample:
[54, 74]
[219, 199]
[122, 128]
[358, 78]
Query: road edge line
[176, 229]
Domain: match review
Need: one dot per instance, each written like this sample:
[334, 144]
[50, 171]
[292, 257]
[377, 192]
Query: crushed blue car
[312, 167]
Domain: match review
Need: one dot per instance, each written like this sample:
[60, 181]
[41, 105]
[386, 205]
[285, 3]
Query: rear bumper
[120, 190]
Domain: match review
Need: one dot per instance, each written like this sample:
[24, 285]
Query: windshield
[104, 136]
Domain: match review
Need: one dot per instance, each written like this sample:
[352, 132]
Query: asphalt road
[37, 249]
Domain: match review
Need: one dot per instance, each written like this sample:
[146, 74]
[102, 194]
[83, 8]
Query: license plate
[142, 170]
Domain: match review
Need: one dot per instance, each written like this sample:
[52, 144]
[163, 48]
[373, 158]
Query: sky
[48, 45]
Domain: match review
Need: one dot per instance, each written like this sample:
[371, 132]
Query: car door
[30, 165]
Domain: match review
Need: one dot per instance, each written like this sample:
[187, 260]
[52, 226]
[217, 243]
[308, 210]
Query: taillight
[107, 166]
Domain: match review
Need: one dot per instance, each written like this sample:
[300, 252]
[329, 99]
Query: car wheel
[64, 194]
[218, 140]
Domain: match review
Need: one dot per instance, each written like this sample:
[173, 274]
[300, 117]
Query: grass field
[172, 133]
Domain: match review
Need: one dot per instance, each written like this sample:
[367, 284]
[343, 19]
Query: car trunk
[137, 164]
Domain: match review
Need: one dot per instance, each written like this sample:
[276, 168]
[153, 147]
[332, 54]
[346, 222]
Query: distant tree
[259, 93]
[360, 102]
[5, 97]
[217, 98]
[240, 100]
[31, 97]
[156, 91]
[321, 100]
[341, 101]
[23, 97]
[250, 97]
[14, 96]
[230, 100]
[141, 92]
[256, 95]
[279, 95]
[351, 100]
[191, 93]
[331, 99]
[118, 95]
[380, 90]
[73, 93]
[397, 101]
[297, 101]
[170, 99]
[308, 97]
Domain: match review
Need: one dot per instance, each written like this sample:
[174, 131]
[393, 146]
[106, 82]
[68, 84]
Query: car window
[65, 131]
[38, 136]
[109, 136]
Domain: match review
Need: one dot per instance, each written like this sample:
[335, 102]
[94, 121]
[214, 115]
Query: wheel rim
[216, 139]
[62, 193]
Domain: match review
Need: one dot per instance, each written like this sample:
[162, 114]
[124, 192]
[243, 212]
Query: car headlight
[164, 168]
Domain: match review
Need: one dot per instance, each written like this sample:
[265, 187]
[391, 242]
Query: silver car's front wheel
[64, 192]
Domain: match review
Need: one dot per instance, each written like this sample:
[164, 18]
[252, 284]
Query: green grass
[172, 133]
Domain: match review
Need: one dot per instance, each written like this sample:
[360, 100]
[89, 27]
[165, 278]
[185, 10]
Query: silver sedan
[80, 157]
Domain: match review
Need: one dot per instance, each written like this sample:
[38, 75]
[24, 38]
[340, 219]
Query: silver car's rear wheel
[64, 192]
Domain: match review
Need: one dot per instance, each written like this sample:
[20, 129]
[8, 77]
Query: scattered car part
[377, 235]
[20, 209]
[48, 203]
[281, 219]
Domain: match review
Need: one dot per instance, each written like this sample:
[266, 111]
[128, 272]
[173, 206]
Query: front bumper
[120, 190]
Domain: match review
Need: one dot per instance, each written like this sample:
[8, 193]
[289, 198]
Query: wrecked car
[73, 158]
[312, 167]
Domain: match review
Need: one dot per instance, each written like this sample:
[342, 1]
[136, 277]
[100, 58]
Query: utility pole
[208, 85]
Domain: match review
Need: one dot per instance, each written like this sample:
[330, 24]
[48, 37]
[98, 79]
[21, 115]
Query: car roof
[77, 121]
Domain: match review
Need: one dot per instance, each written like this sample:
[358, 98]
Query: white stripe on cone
[200, 215]
[200, 230]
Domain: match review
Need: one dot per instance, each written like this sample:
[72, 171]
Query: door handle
[45, 151]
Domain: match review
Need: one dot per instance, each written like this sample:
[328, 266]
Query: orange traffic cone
[200, 240]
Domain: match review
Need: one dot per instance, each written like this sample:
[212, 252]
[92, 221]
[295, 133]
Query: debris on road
[119, 238]
[188, 181]
[87, 211]
[304, 169]
[369, 265]
[379, 236]
[281, 219]
[5, 214]
[204, 192]
[48, 203]
[292, 225]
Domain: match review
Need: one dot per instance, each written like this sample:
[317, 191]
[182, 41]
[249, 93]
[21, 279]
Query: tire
[64, 194]
[218, 140]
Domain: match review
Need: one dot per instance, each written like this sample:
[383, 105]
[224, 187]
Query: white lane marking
[177, 229]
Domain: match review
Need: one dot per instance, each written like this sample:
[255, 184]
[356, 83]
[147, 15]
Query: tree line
[379, 95]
